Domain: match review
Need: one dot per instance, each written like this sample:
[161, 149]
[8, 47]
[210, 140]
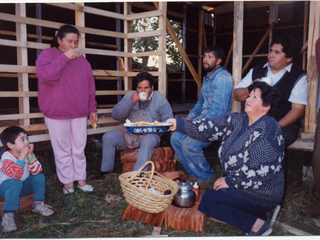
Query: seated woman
[251, 153]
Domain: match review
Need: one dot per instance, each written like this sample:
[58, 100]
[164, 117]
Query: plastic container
[195, 188]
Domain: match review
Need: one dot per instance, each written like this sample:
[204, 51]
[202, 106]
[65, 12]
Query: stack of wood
[162, 157]
[25, 203]
[187, 219]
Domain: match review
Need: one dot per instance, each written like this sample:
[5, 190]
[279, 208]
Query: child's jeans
[12, 189]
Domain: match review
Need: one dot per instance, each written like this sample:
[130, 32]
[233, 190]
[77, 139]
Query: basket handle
[140, 170]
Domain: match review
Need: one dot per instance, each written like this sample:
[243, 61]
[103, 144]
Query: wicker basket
[136, 184]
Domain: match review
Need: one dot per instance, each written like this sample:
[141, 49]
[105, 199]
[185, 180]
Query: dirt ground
[89, 215]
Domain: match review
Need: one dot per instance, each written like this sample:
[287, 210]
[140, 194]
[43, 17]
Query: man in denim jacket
[215, 101]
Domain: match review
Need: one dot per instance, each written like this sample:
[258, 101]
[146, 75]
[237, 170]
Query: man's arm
[297, 110]
[241, 94]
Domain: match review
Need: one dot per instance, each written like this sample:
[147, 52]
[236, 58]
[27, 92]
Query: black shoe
[102, 175]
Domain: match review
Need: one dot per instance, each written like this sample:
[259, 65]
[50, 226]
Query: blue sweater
[251, 156]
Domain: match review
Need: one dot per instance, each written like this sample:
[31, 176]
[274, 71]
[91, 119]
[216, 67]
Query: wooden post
[312, 73]
[305, 22]
[127, 8]
[229, 55]
[200, 24]
[257, 48]
[181, 50]
[162, 83]
[80, 21]
[237, 49]
[22, 60]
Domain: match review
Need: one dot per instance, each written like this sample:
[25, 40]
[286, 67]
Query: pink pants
[68, 139]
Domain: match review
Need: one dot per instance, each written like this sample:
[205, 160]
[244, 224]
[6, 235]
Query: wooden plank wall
[24, 72]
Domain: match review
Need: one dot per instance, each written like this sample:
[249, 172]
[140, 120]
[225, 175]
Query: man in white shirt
[288, 78]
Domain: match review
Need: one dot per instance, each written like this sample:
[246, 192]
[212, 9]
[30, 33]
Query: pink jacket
[66, 87]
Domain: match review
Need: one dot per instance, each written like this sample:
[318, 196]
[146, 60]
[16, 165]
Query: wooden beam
[56, 25]
[183, 53]
[229, 55]
[127, 9]
[162, 47]
[237, 49]
[151, 7]
[312, 73]
[200, 34]
[80, 22]
[257, 48]
[22, 59]
[228, 7]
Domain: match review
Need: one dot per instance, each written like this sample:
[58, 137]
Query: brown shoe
[311, 211]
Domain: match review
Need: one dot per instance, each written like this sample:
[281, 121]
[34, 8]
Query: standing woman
[251, 154]
[66, 97]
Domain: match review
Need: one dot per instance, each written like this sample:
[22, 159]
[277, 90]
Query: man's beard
[210, 68]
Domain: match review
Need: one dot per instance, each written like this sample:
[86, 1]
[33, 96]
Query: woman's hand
[220, 183]
[72, 53]
[93, 118]
[135, 98]
[173, 121]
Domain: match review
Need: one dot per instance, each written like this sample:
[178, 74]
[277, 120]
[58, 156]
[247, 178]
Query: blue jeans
[226, 208]
[12, 189]
[192, 157]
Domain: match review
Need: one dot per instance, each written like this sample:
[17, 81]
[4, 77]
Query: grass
[88, 215]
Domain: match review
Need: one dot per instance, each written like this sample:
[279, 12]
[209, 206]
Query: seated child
[15, 179]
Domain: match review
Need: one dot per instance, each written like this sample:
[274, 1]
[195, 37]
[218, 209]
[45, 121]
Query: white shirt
[299, 93]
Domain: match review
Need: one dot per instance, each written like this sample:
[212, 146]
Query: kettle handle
[178, 178]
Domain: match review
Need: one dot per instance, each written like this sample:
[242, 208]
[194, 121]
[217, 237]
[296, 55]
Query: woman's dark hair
[217, 51]
[62, 32]
[10, 134]
[269, 96]
[289, 45]
[145, 76]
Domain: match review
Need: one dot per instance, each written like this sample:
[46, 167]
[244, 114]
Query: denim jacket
[215, 96]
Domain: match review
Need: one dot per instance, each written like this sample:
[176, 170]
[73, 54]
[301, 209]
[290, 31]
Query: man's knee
[176, 138]
[110, 137]
[150, 140]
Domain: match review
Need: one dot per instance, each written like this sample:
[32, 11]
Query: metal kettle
[185, 197]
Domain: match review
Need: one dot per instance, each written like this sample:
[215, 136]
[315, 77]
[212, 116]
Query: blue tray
[148, 129]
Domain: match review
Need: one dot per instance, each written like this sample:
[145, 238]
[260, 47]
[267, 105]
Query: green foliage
[148, 44]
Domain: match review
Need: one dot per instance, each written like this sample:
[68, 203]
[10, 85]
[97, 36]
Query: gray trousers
[113, 139]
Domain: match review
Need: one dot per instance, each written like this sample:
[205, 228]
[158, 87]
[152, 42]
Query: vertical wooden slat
[305, 23]
[257, 48]
[162, 83]
[237, 49]
[312, 74]
[22, 59]
[127, 8]
[80, 21]
[200, 25]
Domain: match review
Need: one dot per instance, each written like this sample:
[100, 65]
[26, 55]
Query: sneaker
[71, 190]
[86, 188]
[272, 216]
[43, 209]
[8, 222]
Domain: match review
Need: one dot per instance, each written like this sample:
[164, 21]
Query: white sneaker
[8, 222]
[43, 209]
[86, 188]
[71, 190]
